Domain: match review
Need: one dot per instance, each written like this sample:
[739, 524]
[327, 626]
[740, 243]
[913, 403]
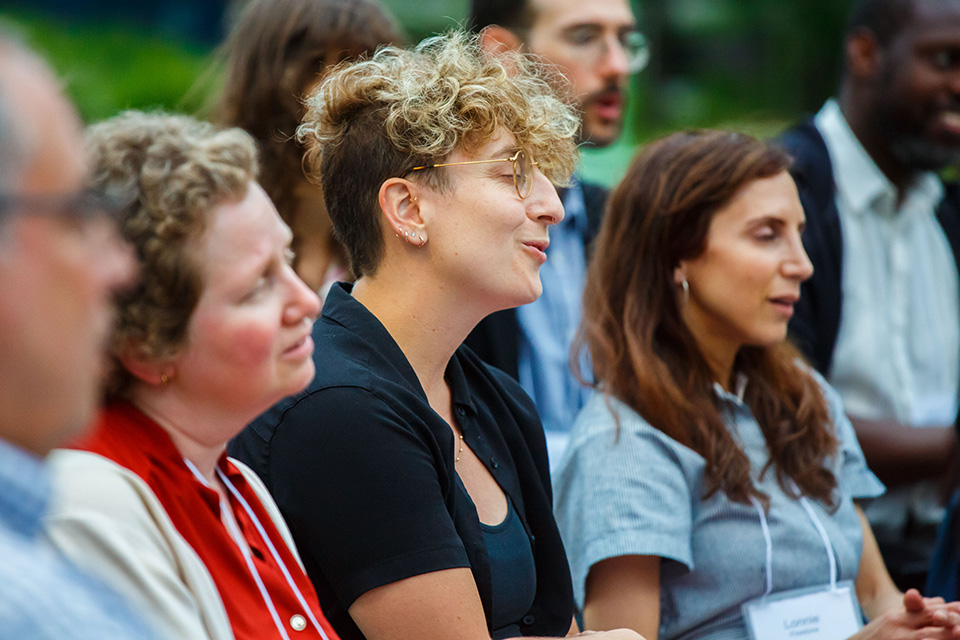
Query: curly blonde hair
[168, 172]
[376, 119]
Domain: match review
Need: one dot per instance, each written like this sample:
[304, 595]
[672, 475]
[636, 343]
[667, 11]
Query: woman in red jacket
[216, 328]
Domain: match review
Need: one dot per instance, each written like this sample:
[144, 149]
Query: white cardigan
[107, 521]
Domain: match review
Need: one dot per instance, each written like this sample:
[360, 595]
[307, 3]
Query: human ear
[863, 54]
[148, 370]
[495, 39]
[679, 274]
[680, 281]
[400, 202]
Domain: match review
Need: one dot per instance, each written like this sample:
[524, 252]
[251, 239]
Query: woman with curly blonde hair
[215, 329]
[413, 475]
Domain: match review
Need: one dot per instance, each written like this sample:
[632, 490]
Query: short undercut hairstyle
[514, 15]
[883, 18]
[168, 172]
[377, 119]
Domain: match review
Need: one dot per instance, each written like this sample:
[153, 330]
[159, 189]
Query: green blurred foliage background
[749, 65]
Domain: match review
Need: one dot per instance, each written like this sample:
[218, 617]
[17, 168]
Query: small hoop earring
[686, 290]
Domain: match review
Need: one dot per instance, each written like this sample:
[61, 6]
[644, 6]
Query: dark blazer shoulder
[816, 322]
[948, 214]
[595, 202]
[811, 168]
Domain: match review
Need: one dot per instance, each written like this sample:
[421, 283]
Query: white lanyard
[768, 539]
[234, 530]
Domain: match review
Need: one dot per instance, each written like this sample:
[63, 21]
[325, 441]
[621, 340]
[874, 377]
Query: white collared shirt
[897, 354]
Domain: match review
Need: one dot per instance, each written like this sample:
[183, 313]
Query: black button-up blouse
[363, 470]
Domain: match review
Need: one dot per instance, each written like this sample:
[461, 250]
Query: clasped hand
[920, 619]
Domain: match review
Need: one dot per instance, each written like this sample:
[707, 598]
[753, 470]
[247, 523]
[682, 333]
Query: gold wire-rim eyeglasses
[520, 160]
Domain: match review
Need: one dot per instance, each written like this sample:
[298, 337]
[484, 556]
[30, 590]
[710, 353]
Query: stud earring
[686, 290]
[164, 379]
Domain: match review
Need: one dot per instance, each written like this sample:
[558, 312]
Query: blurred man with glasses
[594, 46]
[60, 260]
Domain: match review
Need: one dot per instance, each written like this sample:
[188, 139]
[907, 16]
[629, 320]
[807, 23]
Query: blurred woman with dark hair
[709, 489]
[277, 51]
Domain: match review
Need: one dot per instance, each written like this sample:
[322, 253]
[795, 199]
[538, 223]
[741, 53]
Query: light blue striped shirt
[42, 596]
[641, 494]
[548, 325]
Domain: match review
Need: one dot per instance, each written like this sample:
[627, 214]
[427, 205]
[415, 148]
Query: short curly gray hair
[376, 119]
[169, 171]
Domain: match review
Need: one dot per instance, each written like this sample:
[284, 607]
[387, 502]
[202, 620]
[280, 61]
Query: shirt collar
[153, 455]
[574, 206]
[25, 489]
[858, 179]
[459, 390]
[740, 387]
[925, 193]
[342, 308]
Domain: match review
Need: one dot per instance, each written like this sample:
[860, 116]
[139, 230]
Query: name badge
[819, 613]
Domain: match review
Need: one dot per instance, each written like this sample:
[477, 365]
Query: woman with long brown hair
[709, 489]
[276, 53]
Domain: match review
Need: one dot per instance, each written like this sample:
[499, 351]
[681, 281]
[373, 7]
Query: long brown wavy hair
[276, 51]
[643, 353]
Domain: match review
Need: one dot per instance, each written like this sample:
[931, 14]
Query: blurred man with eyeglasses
[60, 260]
[594, 46]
